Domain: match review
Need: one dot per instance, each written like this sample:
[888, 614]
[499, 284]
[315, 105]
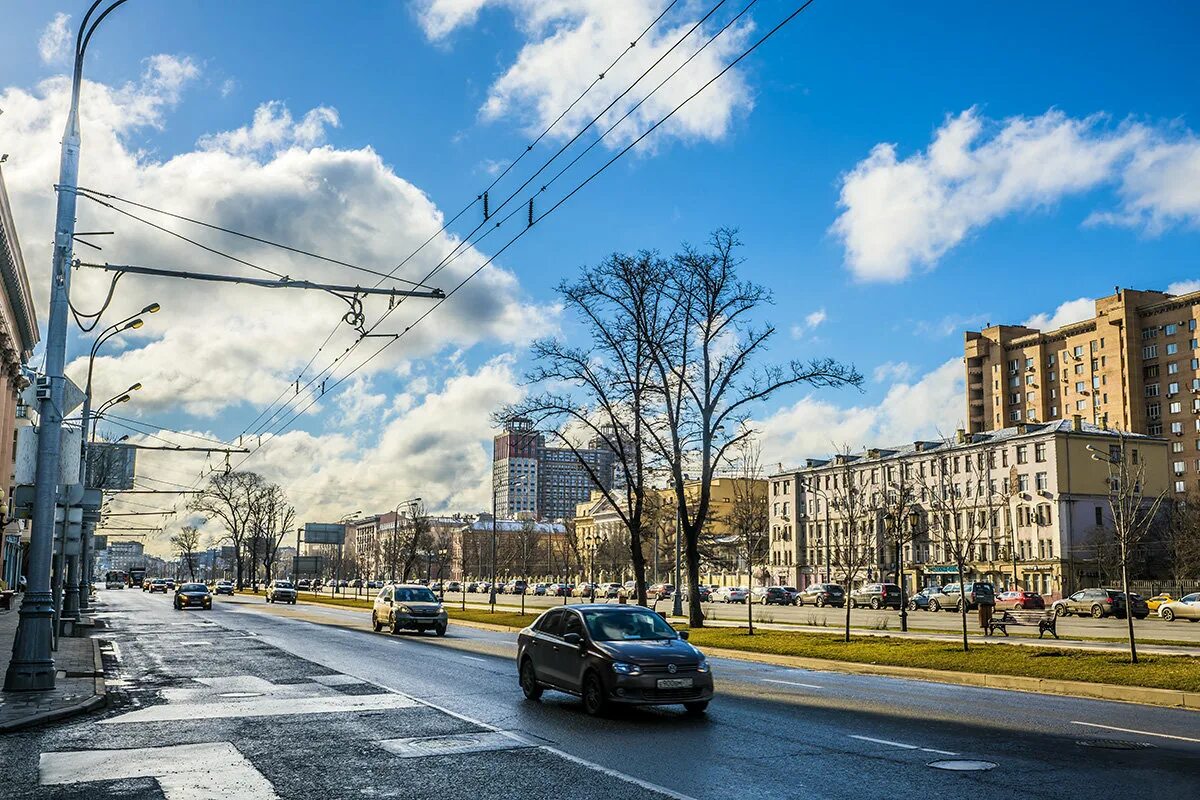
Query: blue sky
[1077, 122]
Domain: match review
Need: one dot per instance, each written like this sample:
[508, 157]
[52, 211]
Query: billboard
[110, 466]
[324, 533]
[307, 565]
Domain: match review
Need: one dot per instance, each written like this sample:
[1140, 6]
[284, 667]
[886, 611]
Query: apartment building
[1031, 494]
[1135, 365]
[532, 479]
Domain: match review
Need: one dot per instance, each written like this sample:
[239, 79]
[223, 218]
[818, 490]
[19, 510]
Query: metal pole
[492, 586]
[32, 666]
[677, 599]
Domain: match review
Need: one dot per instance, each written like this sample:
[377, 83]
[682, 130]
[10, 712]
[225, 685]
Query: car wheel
[820, 602]
[595, 698]
[267, 598]
[1060, 611]
[1139, 616]
[529, 684]
[292, 602]
[853, 603]
[875, 603]
[375, 623]
[934, 605]
[1167, 614]
[800, 602]
[439, 630]
[395, 627]
[1097, 611]
[697, 708]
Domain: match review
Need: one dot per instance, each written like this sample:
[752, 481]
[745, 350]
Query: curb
[99, 699]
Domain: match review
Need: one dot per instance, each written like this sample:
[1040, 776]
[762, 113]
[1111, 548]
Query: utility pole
[32, 666]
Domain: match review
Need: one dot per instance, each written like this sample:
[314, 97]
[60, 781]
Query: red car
[1018, 600]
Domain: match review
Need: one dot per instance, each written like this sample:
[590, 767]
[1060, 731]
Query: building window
[1172, 348]
[1022, 454]
[1173, 368]
[1078, 351]
[1041, 480]
[1180, 487]
[1177, 428]
[1175, 407]
[1149, 333]
[1023, 483]
[1150, 351]
[1151, 390]
[1015, 415]
[1079, 369]
[1039, 452]
[1099, 517]
[1176, 447]
[1179, 467]
[1155, 428]
[1170, 330]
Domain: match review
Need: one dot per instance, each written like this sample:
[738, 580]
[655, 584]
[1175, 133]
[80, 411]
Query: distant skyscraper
[544, 482]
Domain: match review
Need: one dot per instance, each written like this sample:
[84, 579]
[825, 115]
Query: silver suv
[406, 606]
[281, 592]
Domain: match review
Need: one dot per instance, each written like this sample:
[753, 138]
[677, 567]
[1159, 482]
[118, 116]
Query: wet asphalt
[772, 732]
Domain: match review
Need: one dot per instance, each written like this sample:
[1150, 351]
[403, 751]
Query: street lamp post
[32, 666]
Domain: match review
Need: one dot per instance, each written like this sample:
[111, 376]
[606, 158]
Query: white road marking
[421, 746]
[793, 683]
[184, 772]
[939, 752]
[889, 743]
[1130, 730]
[476, 658]
[195, 644]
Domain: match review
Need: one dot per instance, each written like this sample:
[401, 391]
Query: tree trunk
[750, 602]
[847, 607]
[695, 611]
[900, 582]
[962, 606]
[639, 563]
[1128, 603]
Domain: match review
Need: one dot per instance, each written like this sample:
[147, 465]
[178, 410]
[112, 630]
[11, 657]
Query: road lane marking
[793, 683]
[476, 658]
[939, 752]
[1130, 730]
[184, 772]
[887, 742]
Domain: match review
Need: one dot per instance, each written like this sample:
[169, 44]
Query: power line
[156, 426]
[545, 214]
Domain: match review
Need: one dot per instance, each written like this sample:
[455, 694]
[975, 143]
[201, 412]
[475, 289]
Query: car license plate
[675, 683]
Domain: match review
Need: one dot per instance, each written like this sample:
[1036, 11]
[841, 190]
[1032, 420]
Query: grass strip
[1180, 673]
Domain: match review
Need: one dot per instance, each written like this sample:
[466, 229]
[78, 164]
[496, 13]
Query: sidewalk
[78, 687]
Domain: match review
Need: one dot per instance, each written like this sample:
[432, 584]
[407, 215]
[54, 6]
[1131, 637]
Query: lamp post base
[35, 628]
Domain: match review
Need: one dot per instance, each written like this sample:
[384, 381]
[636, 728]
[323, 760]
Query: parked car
[405, 606]
[660, 591]
[1019, 600]
[582, 590]
[1099, 603]
[454, 586]
[170, 584]
[156, 585]
[631, 589]
[612, 654]
[821, 595]
[704, 592]
[190, 595]
[357, 583]
[516, 587]
[224, 587]
[731, 594]
[1186, 607]
[931, 598]
[773, 596]
[557, 590]
[608, 590]
[281, 592]
[973, 593]
[1158, 601]
[876, 596]
[374, 584]
[484, 587]
[304, 584]
[793, 592]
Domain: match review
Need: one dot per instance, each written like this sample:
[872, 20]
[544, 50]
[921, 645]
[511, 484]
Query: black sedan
[192, 595]
[611, 655]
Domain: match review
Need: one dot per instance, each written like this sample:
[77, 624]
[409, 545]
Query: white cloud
[568, 42]
[55, 42]
[893, 371]
[274, 129]
[816, 426]
[1067, 313]
[228, 87]
[901, 214]
[811, 322]
[1184, 287]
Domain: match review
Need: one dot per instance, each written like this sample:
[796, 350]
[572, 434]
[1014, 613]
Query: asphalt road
[771, 732]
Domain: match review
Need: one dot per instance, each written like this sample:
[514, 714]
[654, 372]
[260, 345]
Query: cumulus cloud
[901, 214]
[274, 129]
[1067, 313]
[893, 371]
[568, 42]
[55, 42]
[811, 322]
[815, 426]
[1184, 287]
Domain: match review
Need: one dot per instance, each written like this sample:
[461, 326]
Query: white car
[730, 594]
[1186, 607]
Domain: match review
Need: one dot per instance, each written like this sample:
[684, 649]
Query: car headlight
[703, 665]
[621, 668]
[404, 609]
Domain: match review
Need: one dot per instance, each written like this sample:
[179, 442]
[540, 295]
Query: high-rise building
[531, 479]
[1134, 365]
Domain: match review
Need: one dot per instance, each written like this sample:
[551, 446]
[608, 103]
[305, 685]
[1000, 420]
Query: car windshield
[619, 626]
[1192, 598]
[193, 587]
[421, 595]
[283, 585]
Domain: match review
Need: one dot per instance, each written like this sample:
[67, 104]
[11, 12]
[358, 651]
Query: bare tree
[229, 499]
[903, 520]
[186, 542]
[706, 366]
[749, 516]
[418, 537]
[1181, 540]
[1133, 513]
[857, 506]
[278, 518]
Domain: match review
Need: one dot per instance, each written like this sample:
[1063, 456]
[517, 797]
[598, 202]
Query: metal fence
[1151, 588]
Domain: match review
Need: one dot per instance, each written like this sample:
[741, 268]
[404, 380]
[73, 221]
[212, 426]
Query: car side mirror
[573, 638]
[684, 635]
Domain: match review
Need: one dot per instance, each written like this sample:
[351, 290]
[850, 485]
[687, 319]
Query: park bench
[1043, 620]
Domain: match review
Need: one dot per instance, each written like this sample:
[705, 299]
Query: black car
[822, 594]
[609, 655]
[775, 595]
[192, 595]
[876, 596]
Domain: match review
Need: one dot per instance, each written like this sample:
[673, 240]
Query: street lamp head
[122, 399]
[134, 387]
[153, 308]
[135, 324]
